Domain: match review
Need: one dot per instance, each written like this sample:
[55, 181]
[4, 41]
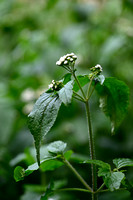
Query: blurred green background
[33, 36]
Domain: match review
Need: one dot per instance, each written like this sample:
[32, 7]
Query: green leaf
[123, 162]
[42, 118]
[83, 80]
[99, 163]
[57, 147]
[113, 180]
[65, 93]
[114, 100]
[19, 173]
[67, 78]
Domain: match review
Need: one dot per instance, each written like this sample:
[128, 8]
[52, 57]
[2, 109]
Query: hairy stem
[92, 152]
[66, 162]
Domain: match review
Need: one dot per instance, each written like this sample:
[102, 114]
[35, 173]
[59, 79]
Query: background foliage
[33, 35]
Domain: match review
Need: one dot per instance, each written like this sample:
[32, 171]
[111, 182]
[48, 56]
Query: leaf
[83, 80]
[123, 162]
[57, 147]
[42, 118]
[114, 100]
[99, 163]
[46, 164]
[113, 180]
[67, 78]
[19, 173]
[65, 93]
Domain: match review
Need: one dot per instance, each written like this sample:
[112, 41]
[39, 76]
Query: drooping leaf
[114, 100]
[123, 162]
[83, 80]
[42, 118]
[57, 147]
[113, 180]
[65, 93]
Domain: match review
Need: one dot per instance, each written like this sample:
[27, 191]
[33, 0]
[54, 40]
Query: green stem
[92, 152]
[78, 99]
[88, 91]
[73, 189]
[66, 162]
[100, 188]
[79, 96]
[79, 85]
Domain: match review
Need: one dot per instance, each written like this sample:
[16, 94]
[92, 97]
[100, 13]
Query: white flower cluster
[55, 85]
[66, 59]
[97, 69]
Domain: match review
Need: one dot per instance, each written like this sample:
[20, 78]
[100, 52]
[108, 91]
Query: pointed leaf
[65, 94]
[114, 100]
[123, 162]
[42, 118]
[83, 80]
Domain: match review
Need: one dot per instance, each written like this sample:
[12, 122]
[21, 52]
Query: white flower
[50, 86]
[99, 67]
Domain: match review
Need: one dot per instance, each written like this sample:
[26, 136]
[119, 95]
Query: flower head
[66, 60]
[55, 85]
[97, 69]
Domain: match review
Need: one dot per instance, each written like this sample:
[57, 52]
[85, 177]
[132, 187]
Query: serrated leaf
[83, 80]
[65, 93]
[123, 162]
[113, 180]
[114, 100]
[57, 147]
[99, 163]
[19, 173]
[42, 118]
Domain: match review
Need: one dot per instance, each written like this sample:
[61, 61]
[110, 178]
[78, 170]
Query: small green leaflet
[65, 93]
[83, 80]
[57, 147]
[123, 162]
[114, 100]
[42, 118]
[19, 173]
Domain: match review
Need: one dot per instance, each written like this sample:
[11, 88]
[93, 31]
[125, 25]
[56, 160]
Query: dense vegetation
[33, 36]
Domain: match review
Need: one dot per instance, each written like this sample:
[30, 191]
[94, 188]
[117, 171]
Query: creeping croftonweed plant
[114, 97]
